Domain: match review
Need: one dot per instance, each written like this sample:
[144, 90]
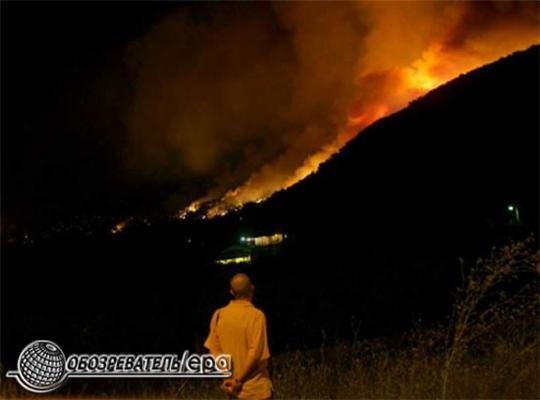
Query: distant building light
[262, 241]
[235, 260]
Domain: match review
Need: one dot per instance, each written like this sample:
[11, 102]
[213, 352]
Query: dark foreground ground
[487, 348]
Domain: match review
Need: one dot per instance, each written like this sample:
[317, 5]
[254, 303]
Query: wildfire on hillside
[299, 83]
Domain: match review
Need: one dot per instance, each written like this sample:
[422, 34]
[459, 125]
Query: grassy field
[488, 348]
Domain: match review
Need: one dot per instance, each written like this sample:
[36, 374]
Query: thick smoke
[246, 99]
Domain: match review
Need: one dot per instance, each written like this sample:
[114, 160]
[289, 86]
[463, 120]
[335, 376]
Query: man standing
[239, 329]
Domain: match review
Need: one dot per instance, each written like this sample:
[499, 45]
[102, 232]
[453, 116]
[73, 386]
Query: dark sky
[67, 87]
[60, 121]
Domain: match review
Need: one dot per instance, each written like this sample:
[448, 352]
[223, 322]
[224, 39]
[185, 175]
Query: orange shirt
[239, 329]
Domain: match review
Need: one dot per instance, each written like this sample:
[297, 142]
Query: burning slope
[267, 95]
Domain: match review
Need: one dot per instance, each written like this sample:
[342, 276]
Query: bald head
[241, 287]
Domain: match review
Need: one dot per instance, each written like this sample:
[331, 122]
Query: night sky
[61, 125]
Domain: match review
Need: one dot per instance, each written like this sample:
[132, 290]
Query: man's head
[241, 287]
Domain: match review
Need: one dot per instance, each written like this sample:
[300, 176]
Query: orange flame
[119, 227]
[394, 87]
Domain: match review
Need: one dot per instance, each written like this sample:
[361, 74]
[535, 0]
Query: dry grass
[488, 350]
[382, 373]
[368, 370]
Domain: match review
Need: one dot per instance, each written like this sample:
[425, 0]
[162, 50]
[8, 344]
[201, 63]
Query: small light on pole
[515, 213]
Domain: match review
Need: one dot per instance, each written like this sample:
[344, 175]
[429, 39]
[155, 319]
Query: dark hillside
[443, 171]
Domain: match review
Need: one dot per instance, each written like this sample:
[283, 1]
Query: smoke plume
[248, 99]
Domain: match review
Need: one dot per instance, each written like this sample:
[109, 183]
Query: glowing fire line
[416, 80]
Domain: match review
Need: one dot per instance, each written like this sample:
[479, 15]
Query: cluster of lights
[235, 260]
[262, 241]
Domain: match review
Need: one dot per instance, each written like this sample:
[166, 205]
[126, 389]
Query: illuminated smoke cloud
[245, 99]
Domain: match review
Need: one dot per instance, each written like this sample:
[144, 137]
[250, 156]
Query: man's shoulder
[258, 313]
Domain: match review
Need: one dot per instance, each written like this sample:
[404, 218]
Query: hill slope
[446, 168]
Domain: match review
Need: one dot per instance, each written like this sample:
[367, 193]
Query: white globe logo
[41, 365]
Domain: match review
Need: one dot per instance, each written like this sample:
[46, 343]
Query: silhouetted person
[239, 329]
